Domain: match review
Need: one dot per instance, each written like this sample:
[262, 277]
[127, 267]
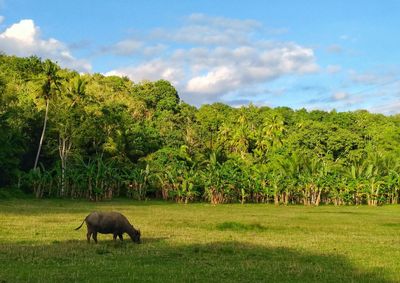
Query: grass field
[200, 243]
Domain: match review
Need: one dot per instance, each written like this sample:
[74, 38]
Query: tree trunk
[243, 196]
[42, 136]
[64, 148]
[164, 192]
[318, 197]
[90, 187]
[276, 199]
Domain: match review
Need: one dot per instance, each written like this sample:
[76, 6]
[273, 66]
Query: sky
[333, 54]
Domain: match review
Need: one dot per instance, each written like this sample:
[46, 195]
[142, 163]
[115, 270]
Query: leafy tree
[51, 85]
[105, 136]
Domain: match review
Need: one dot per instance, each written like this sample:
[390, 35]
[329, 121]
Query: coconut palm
[50, 86]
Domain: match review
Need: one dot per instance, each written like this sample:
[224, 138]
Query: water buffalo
[109, 223]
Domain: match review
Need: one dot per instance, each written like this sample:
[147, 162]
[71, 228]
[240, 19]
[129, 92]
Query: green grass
[200, 243]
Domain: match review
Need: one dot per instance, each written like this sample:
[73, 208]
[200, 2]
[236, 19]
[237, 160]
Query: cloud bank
[234, 61]
[24, 39]
[207, 58]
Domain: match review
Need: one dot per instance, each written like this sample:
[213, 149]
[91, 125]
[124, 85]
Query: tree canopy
[98, 136]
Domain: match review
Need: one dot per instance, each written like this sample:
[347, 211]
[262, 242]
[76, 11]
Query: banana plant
[393, 184]
[137, 181]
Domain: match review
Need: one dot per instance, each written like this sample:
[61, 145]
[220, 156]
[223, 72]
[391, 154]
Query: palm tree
[76, 92]
[77, 89]
[270, 136]
[50, 86]
[274, 129]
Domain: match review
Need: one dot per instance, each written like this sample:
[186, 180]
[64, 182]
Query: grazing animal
[109, 223]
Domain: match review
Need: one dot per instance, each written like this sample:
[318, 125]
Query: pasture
[200, 243]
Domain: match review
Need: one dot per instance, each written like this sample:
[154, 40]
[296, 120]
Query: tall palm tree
[76, 92]
[50, 86]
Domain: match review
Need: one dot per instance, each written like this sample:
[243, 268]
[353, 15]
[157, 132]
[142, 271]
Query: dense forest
[71, 135]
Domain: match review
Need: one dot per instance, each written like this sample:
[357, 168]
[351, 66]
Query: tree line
[65, 134]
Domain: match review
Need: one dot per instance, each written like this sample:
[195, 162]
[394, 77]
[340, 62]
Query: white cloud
[340, 96]
[389, 108]
[24, 31]
[244, 66]
[153, 70]
[200, 72]
[153, 49]
[23, 39]
[209, 57]
[128, 47]
[202, 29]
[221, 79]
[223, 22]
[371, 78]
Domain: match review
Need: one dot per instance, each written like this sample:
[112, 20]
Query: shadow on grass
[237, 226]
[103, 241]
[340, 212]
[157, 260]
[82, 207]
[153, 240]
[394, 225]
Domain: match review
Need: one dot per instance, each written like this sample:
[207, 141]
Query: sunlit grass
[200, 242]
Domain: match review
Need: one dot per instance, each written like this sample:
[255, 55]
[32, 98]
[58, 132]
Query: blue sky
[341, 55]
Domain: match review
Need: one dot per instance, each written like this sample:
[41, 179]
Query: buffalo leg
[120, 237]
[115, 237]
[95, 237]
[89, 233]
